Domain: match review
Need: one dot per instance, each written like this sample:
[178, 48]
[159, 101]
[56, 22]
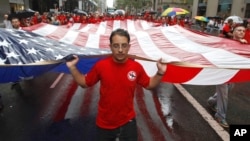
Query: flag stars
[22, 41]
[62, 45]
[28, 35]
[12, 55]
[4, 43]
[34, 40]
[32, 51]
[49, 49]
[41, 38]
[58, 57]
[17, 35]
[41, 60]
[48, 43]
[2, 61]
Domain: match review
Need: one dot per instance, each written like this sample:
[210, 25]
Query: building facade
[222, 8]
[9, 6]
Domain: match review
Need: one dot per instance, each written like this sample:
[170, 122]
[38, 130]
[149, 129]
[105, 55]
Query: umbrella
[201, 18]
[149, 12]
[80, 12]
[119, 12]
[22, 14]
[236, 19]
[215, 17]
[172, 11]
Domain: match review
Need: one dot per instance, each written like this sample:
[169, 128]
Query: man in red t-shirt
[247, 33]
[227, 29]
[119, 76]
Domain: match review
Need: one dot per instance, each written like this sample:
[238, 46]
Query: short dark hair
[238, 25]
[120, 32]
[230, 20]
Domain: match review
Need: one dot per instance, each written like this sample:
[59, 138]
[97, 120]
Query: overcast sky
[109, 3]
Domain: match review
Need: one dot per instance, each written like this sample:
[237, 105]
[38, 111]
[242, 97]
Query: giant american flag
[192, 58]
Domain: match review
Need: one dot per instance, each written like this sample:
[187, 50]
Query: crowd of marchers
[66, 18]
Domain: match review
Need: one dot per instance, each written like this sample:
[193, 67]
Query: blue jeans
[126, 132]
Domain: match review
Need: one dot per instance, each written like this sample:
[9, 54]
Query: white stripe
[224, 59]
[116, 24]
[145, 25]
[46, 30]
[197, 37]
[149, 67]
[70, 37]
[131, 26]
[102, 28]
[93, 41]
[74, 107]
[150, 49]
[86, 28]
[75, 26]
[219, 57]
[210, 76]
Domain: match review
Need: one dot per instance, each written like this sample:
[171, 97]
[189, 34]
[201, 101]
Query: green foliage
[137, 4]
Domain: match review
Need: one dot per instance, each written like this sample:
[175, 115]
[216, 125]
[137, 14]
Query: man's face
[119, 48]
[248, 25]
[239, 32]
[15, 23]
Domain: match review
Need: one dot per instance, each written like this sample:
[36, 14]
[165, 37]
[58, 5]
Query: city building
[222, 8]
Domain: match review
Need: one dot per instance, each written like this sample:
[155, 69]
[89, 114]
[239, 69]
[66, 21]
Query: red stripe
[63, 109]
[109, 27]
[88, 97]
[58, 33]
[139, 135]
[123, 24]
[178, 74]
[94, 28]
[82, 26]
[81, 39]
[138, 26]
[241, 76]
[104, 41]
[154, 130]
[135, 47]
[166, 46]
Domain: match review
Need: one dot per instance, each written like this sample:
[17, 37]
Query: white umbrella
[120, 12]
[236, 19]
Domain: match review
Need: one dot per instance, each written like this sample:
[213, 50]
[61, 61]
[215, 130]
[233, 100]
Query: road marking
[217, 128]
[57, 80]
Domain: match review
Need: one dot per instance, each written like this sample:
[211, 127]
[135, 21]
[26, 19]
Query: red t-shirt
[118, 83]
[247, 35]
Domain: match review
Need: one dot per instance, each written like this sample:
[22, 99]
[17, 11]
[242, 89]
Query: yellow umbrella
[171, 11]
[201, 18]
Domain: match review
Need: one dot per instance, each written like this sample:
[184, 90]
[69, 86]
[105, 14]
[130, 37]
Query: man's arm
[77, 75]
[156, 79]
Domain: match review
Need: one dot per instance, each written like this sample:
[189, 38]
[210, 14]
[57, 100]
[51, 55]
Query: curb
[222, 133]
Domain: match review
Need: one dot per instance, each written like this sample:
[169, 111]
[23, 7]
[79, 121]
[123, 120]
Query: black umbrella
[22, 14]
[80, 12]
[149, 12]
[215, 17]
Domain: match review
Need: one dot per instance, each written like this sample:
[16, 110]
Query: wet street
[53, 108]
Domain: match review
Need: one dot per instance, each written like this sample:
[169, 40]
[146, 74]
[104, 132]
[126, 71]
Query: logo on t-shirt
[131, 75]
